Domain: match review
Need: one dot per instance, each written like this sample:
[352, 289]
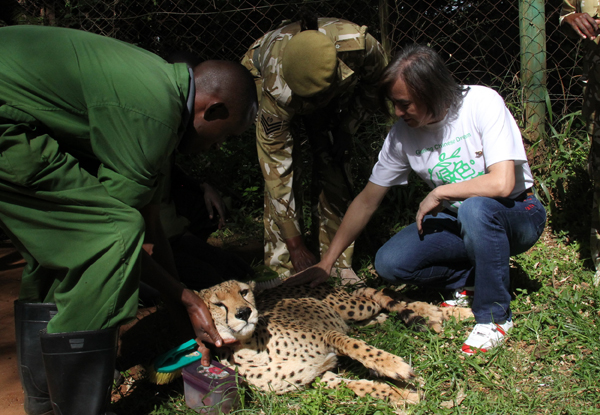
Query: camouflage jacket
[361, 61]
[591, 54]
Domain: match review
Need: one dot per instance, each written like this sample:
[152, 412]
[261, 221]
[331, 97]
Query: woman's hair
[427, 78]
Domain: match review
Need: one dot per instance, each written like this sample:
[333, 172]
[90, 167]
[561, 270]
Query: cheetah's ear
[201, 293]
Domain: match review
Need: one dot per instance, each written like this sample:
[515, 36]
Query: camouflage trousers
[277, 256]
[591, 112]
[331, 172]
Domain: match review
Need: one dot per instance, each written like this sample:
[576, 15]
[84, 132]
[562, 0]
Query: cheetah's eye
[219, 304]
[244, 293]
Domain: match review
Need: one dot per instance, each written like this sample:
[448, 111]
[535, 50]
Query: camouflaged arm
[568, 7]
[366, 101]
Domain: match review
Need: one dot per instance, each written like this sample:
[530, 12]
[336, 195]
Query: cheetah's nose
[243, 313]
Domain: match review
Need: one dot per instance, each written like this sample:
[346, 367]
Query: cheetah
[289, 336]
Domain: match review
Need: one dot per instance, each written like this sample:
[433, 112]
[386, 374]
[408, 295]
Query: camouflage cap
[309, 61]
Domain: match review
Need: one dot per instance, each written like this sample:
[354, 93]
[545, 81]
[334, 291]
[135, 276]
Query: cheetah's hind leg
[413, 313]
[377, 389]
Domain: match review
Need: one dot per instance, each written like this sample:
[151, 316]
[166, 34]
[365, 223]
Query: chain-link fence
[479, 38]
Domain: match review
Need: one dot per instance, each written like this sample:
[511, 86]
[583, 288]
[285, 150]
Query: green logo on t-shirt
[452, 169]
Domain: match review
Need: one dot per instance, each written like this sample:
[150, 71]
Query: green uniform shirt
[100, 98]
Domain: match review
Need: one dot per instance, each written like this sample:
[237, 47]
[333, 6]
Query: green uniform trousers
[82, 246]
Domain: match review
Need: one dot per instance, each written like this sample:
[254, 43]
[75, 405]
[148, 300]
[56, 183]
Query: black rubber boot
[80, 368]
[30, 319]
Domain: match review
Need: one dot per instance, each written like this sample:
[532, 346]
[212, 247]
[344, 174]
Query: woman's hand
[498, 182]
[432, 204]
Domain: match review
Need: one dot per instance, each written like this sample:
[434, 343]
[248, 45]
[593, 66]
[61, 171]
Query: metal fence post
[384, 19]
[532, 28]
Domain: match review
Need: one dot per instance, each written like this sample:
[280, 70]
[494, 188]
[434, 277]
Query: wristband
[561, 18]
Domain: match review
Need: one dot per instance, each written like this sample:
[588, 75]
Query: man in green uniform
[580, 19]
[327, 76]
[86, 123]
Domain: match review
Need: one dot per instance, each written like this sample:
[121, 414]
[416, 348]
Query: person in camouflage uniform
[581, 19]
[328, 78]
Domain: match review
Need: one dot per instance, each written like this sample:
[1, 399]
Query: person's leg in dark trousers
[437, 259]
[331, 161]
[30, 319]
[478, 242]
[493, 230]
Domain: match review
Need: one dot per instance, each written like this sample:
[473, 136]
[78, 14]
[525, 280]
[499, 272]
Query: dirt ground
[11, 394]
[11, 266]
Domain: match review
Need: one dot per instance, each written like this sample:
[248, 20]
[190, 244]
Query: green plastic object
[178, 357]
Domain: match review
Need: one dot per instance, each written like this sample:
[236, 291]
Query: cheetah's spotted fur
[291, 335]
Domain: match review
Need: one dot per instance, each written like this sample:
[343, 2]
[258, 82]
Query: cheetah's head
[233, 309]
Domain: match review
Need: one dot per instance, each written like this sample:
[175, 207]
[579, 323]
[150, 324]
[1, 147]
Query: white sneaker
[462, 297]
[486, 336]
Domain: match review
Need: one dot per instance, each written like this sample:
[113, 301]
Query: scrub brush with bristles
[167, 367]
[265, 278]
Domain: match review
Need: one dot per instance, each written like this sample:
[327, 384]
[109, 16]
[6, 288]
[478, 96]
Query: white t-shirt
[458, 148]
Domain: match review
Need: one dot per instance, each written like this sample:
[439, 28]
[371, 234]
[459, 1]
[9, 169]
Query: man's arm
[365, 99]
[356, 218]
[577, 23]
[275, 144]
[300, 255]
[158, 271]
[175, 295]
[581, 25]
[156, 243]
[212, 201]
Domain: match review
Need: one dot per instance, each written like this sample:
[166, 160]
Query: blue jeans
[472, 248]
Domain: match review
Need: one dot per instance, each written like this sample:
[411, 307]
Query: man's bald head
[225, 104]
[229, 80]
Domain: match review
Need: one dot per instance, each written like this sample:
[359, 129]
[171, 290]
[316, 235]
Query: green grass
[550, 363]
